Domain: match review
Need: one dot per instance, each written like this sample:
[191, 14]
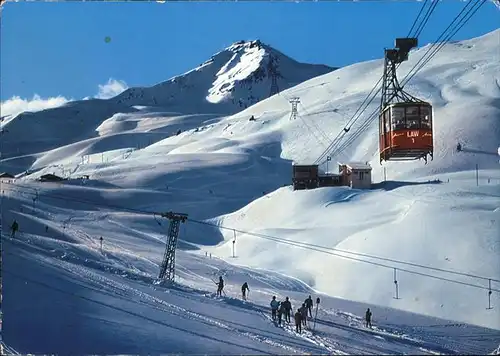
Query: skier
[298, 321]
[244, 288]
[288, 309]
[281, 311]
[368, 318]
[14, 227]
[274, 307]
[459, 147]
[303, 311]
[309, 305]
[220, 287]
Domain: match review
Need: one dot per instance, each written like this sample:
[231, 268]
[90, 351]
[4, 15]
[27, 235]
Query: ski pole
[316, 314]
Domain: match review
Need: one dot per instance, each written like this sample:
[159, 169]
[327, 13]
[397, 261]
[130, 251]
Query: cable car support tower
[294, 101]
[273, 72]
[167, 268]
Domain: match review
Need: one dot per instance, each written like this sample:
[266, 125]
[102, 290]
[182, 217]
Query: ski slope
[229, 170]
[105, 301]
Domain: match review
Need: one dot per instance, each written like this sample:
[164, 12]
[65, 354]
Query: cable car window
[412, 117]
[398, 118]
[425, 116]
[387, 120]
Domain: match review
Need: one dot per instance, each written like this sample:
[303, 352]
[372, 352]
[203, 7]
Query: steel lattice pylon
[272, 69]
[294, 101]
[167, 268]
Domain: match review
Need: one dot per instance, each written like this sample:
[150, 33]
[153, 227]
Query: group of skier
[284, 308]
[278, 309]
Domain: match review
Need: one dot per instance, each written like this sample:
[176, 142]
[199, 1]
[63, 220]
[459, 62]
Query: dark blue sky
[58, 48]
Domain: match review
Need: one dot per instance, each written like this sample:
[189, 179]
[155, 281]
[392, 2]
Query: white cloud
[17, 105]
[112, 88]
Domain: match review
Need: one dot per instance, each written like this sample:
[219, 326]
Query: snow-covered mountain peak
[232, 79]
[236, 46]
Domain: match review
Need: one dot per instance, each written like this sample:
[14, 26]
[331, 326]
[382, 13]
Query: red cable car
[405, 122]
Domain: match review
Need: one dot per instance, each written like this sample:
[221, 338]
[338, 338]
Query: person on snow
[220, 287]
[14, 227]
[281, 311]
[244, 289]
[309, 305]
[288, 309]
[274, 307]
[459, 147]
[368, 318]
[298, 321]
[303, 311]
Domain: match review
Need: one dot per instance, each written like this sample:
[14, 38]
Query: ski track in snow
[106, 285]
[113, 288]
[74, 263]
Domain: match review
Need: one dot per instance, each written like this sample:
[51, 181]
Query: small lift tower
[167, 269]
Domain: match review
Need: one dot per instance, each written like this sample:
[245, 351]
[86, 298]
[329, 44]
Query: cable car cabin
[406, 132]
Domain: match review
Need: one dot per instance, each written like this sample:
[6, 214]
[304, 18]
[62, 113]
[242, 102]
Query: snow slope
[232, 171]
[93, 301]
[231, 80]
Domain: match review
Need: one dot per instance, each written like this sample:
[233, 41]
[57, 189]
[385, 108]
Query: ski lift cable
[357, 133]
[446, 40]
[307, 125]
[336, 143]
[335, 252]
[325, 136]
[341, 134]
[437, 45]
[137, 211]
[312, 123]
[416, 19]
[427, 15]
[318, 139]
